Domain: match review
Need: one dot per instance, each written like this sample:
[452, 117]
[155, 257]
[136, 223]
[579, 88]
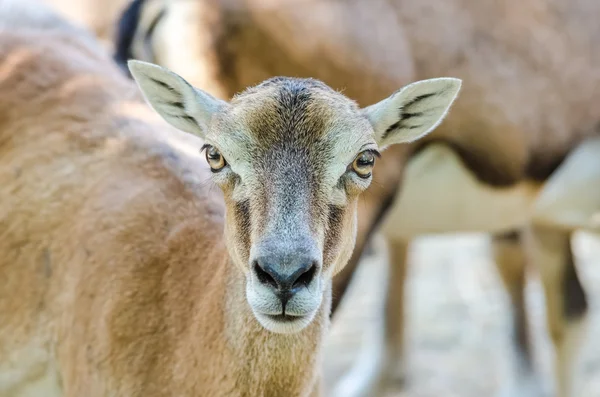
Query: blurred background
[458, 313]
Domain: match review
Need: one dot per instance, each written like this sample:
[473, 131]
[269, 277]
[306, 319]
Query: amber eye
[363, 164]
[214, 159]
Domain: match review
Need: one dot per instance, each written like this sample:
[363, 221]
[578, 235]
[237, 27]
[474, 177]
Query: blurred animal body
[518, 157]
[123, 273]
[94, 15]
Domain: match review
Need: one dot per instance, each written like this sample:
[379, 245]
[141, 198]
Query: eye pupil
[363, 164]
[366, 160]
[215, 159]
[213, 154]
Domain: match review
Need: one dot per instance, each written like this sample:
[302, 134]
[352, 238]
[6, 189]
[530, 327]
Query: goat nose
[285, 279]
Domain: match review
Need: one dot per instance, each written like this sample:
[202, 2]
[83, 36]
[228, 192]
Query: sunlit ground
[458, 319]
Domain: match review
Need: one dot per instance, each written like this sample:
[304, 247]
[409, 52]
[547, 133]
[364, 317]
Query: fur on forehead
[291, 86]
[287, 111]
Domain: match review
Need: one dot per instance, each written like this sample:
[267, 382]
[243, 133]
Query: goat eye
[363, 164]
[214, 159]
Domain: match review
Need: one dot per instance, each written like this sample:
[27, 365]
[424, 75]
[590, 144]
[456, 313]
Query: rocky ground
[458, 319]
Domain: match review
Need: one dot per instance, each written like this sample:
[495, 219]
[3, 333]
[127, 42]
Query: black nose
[285, 277]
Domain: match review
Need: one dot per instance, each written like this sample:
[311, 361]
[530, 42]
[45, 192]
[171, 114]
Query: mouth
[284, 323]
[280, 317]
[284, 318]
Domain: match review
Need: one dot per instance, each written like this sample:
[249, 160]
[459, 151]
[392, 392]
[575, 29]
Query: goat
[517, 158]
[124, 273]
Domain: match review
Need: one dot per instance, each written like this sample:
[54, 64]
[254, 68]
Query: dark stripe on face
[333, 233]
[244, 225]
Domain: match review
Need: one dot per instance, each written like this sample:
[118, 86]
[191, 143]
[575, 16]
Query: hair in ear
[413, 111]
[181, 105]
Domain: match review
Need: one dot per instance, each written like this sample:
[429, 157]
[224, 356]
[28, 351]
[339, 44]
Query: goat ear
[413, 111]
[181, 105]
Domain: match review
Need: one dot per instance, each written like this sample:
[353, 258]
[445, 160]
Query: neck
[274, 364]
[251, 360]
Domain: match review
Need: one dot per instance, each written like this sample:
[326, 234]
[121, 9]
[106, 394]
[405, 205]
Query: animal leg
[395, 312]
[566, 303]
[569, 201]
[381, 359]
[510, 259]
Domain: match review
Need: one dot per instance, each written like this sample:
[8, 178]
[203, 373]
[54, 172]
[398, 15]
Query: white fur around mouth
[284, 324]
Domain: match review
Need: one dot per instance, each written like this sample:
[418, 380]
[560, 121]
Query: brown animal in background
[519, 149]
[123, 274]
[95, 15]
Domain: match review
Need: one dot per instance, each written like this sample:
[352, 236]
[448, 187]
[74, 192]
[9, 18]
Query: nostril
[305, 278]
[285, 275]
[263, 276]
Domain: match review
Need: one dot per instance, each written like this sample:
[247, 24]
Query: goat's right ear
[181, 105]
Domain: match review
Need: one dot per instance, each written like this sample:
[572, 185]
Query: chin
[284, 324]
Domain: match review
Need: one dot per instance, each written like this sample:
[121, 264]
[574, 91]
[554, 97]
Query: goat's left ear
[413, 111]
[183, 106]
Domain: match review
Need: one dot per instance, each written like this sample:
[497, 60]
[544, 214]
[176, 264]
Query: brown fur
[97, 16]
[111, 242]
[291, 130]
[535, 46]
[529, 76]
[531, 72]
